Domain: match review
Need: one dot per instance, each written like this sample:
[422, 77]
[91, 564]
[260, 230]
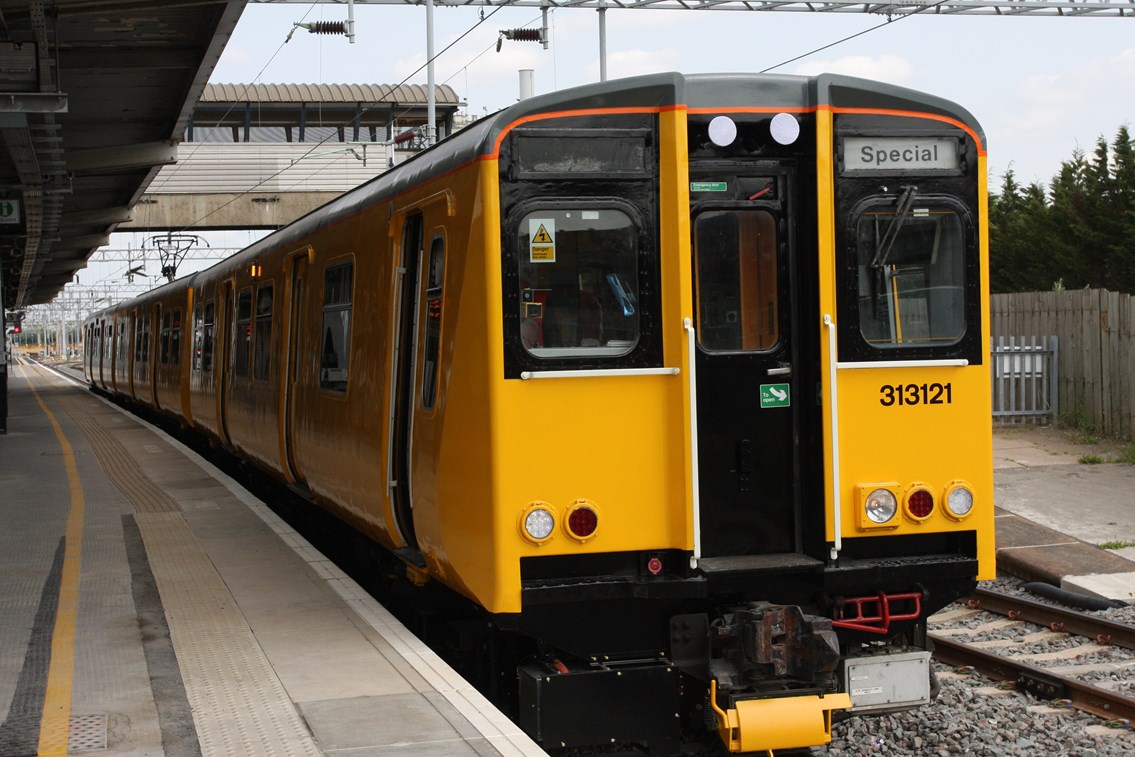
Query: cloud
[889, 68]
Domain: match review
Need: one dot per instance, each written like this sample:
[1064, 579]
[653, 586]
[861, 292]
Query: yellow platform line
[54, 727]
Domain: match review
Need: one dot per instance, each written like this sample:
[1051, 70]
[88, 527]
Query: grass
[1121, 544]
[1082, 431]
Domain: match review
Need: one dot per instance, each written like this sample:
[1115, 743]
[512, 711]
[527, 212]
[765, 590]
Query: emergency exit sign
[9, 211]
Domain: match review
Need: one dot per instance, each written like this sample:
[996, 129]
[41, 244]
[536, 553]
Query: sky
[1040, 87]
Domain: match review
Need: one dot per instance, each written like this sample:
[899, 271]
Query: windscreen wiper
[902, 212]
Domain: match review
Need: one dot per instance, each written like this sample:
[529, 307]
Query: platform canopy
[94, 95]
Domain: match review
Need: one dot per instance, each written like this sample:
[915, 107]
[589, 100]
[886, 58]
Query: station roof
[94, 95]
[347, 94]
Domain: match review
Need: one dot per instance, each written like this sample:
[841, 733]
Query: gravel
[967, 719]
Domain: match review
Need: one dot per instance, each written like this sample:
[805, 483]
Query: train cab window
[434, 281]
[911, 273]
[579, 290]
[334, 356]
[262, 341]
[242, 333]
[735, 253]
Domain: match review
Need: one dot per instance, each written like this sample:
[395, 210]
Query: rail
[1041, 682]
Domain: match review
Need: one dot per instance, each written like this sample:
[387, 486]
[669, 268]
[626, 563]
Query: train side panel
[337, 401]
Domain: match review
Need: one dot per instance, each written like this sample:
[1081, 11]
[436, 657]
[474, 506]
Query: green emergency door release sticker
[775, 395]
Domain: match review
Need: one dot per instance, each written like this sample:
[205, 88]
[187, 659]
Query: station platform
[149, 606]
[1061, 519]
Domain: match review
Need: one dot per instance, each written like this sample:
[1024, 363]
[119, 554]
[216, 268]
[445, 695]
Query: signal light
[17, 329]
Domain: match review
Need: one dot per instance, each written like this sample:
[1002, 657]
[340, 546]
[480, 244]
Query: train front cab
[818, 287]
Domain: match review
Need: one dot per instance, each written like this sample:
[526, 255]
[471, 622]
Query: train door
[747, 393]
[293, 373]
[406, 307]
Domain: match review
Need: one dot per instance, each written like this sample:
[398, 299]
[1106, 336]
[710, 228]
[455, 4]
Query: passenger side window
[242, 332]
[207, 337]
[175, 339]
[335, 339]
[198, 333]
[142, 339]
[434, 284]
[262, 344]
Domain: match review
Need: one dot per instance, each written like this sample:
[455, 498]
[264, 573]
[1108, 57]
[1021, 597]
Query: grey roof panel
[403, 94]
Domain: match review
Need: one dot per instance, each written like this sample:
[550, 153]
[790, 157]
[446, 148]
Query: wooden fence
[1096, 333]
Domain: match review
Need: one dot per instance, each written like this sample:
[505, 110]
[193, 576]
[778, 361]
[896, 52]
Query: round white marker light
[722, 131]
[785, 128]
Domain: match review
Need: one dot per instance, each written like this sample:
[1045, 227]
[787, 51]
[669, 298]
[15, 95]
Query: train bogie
[682, 380]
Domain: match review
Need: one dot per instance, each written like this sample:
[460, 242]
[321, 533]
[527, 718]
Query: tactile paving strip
[239, 705]
[121, 468]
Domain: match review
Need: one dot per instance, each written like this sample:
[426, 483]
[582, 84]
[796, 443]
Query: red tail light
[920, 503]
[582, 522]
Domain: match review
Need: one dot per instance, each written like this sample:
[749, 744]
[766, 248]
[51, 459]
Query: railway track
[1048, 651]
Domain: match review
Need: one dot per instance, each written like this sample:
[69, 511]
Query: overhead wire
[466, 33]
[888, 22]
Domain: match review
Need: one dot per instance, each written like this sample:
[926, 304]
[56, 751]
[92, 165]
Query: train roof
[650, 92]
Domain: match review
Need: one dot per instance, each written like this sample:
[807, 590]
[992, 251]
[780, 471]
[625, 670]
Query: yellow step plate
[762, 725]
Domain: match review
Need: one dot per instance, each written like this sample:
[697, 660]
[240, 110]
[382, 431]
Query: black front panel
[908, 266]
[746, 391]
[580, 244]
[755, 364]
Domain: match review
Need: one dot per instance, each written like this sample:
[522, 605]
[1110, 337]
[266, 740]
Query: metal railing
[1024, 379]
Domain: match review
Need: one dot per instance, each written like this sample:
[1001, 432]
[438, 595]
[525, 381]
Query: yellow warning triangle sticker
[542, 236]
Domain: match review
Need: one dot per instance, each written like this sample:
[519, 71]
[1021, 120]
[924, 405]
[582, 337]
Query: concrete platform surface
[149, 606]
[1055, 510]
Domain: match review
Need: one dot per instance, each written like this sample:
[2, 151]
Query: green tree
[1081, 231]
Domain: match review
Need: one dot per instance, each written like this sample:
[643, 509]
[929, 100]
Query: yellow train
[681, 380]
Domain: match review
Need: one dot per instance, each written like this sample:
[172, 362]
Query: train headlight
[959, 500]
[537, 522]
[582, 520]
[879, 506]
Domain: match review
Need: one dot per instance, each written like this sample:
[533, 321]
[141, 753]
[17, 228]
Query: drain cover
[87, 732]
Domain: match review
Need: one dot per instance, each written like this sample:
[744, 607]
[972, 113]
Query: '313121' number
[916, 394]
